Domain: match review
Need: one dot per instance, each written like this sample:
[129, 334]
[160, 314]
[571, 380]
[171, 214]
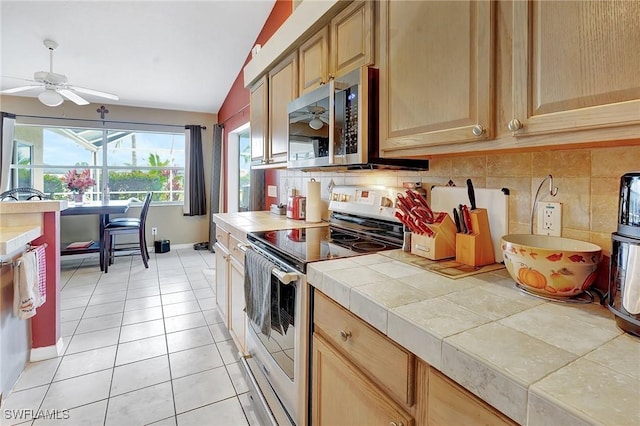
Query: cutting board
[496, 201]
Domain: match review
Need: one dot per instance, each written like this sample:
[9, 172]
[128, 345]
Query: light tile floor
[141, 346]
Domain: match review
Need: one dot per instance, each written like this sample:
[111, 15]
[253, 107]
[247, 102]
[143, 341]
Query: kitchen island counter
[538, 362]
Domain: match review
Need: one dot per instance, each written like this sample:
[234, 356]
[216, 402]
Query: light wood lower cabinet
[361, 377]
[229, 286]
[342, 395]
[221, 281]
[450, 404]
[237, 314]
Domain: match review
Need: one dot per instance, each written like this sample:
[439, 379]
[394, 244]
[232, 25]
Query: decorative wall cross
[102, 111]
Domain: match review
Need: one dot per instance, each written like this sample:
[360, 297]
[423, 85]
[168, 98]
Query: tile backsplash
[587, 179]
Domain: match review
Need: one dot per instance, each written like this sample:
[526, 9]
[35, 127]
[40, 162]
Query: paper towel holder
[314, 203]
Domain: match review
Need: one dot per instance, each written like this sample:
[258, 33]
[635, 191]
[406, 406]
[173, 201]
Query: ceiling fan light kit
[55, 85]
[316, 124]
[50, 98]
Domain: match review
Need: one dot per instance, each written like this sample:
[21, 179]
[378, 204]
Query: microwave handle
[332, 117]
[284, 277]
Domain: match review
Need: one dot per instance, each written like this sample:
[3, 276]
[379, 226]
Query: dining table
[101, 208]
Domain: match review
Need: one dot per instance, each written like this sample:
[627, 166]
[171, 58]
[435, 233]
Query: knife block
[442, 245]
[476, 249]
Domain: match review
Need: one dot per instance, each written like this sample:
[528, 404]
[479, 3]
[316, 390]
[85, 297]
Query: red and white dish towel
[29, 282]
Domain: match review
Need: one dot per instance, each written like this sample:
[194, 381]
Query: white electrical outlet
[272, 191]
[550, 219]
[154, 231]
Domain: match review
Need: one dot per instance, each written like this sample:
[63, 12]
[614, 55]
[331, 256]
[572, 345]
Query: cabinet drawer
[384, 361]
[235, 250]
[222, 236]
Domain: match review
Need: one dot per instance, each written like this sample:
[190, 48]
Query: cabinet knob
[396, 424]
[322, 82]
[478, 130]
[331, 77]
[515, 125]
[344, 335]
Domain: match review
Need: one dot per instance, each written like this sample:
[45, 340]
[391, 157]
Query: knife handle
[472, 194]
[463, 225]
[456, 219]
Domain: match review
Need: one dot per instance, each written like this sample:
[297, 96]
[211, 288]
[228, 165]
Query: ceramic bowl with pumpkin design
[551, 266]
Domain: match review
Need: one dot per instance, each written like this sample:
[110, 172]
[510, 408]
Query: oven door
[274, 361]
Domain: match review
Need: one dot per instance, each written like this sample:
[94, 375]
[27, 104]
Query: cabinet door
[575, 65]
[314, 61]
[343, 395]
[237, 321]
[259, 118]
[283, 88]
[352, 42]
[448, 403]
[435, 75]
[222, 281]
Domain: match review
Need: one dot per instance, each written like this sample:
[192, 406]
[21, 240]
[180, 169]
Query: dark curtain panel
[257, 201]
[197, 195]
[7, 124]
[216, 166]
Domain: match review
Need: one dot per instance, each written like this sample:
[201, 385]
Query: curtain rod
[187, 126]
[92, 120]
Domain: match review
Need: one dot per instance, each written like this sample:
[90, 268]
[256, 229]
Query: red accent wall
[235, 108]
[45, 325]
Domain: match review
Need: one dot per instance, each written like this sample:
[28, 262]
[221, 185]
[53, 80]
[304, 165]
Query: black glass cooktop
[300, 246]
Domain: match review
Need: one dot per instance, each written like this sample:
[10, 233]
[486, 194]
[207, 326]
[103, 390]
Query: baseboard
[46, 352]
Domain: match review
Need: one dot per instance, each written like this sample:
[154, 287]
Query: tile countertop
[538, 362]
[21, 222]
[255, 221]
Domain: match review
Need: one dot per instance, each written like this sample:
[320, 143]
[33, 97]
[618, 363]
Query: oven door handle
[284, 277]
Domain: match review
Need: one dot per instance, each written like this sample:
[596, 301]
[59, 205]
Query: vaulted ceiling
[180, 55]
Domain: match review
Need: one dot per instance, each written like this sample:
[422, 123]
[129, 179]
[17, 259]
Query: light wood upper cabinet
[259, 117]
[314, 61]
[436, 74]
[283, 88]
[576, 65]
[352, 41]
[345, 44]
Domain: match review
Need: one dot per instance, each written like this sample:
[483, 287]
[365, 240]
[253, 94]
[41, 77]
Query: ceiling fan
[55, 85]
[316, 114]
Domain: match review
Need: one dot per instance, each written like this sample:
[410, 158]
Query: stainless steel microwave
[336, 126]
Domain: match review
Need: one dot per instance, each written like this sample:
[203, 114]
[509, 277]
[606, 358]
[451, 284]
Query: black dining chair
[21, 194]
[123, 226]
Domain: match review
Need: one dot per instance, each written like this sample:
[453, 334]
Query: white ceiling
[180, 55]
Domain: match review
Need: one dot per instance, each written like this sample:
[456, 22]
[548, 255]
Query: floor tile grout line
[115, 358]
[166, 342]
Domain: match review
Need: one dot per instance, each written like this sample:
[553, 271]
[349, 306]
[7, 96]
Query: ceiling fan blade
[72, 96]
[95, 93]
[21, 88]
[298, 119]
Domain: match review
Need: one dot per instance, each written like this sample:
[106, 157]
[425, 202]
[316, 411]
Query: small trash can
[162, 246]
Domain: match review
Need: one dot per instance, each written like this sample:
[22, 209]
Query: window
[244, 178]
[238, 177]
[129, 163]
